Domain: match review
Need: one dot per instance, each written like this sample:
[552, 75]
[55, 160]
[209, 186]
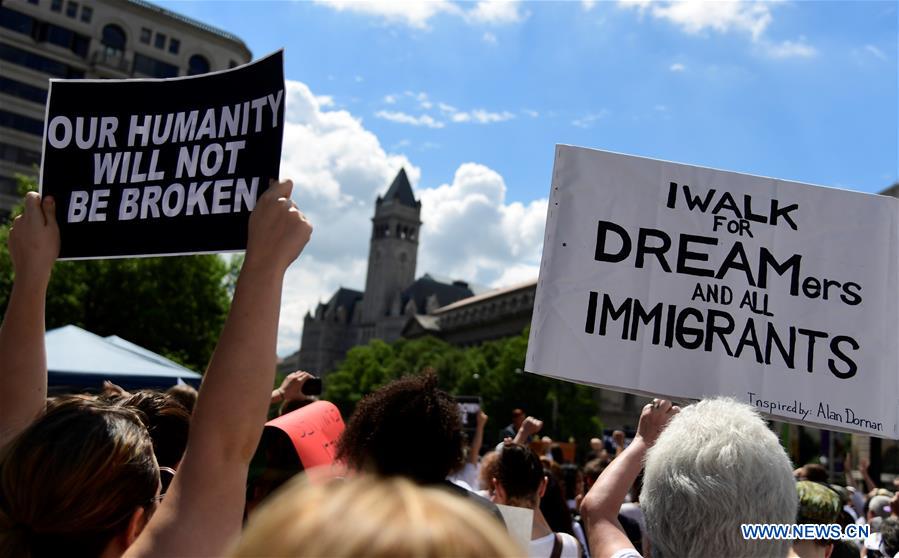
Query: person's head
[487, 471]
[572, 481]
[407, 428]
[81, 476]
[843, 493]
[274, 464]
[878, 506]
[592, 470]
[378, 518]
[818, 504]
[184, 394]
[167, 420]
[889, 536]
[813, 472]
[519, 479]
[553, 506]
[518, 416]
[596, 445]
[714, 467]
[556, 451]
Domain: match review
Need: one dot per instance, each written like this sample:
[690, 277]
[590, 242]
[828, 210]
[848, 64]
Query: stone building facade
[392, 295]
[395, 305]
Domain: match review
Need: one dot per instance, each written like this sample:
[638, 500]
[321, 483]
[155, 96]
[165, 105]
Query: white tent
[78, 359]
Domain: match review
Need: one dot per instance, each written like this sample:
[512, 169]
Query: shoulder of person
[570, 546]
[626, 553]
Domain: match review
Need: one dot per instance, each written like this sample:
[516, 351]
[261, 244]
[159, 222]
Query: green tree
[493, 370]
[175, 306]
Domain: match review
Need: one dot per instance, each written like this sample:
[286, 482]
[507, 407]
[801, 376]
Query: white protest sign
[673, 280]
[519, 522]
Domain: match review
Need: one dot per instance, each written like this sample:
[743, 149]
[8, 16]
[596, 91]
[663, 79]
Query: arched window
[197, 65]
[114, 39]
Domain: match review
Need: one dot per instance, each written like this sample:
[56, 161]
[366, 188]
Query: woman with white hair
[709, 468]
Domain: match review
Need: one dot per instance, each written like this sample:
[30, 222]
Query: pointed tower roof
[400, 191]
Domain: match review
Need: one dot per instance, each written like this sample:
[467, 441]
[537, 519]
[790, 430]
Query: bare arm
[869, 482]
[291, 387]
[602, 503]
[528, 428]
[474, 451]
[203, 509]
[33, 247]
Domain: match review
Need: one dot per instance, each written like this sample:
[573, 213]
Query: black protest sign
[162, 167]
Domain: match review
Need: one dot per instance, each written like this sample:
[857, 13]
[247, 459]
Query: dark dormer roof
[425, 286]
[400, 191]
[343, 297]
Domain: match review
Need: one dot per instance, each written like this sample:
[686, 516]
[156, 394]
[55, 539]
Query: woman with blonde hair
[372, 517]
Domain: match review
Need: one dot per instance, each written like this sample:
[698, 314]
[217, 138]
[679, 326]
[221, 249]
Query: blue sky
[472, 97]
[828, 117]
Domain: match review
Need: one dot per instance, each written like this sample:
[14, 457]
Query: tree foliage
[174, 306]
[492, 370]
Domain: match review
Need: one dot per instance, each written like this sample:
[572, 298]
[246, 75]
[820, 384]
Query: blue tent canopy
[79, 360]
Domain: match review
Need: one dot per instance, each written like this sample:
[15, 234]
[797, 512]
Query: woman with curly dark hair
[408, 428]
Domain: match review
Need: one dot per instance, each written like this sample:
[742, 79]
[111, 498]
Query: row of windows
[19, 155]
[39, 63]
[147, 34]
[22, 90]
[22, 123]
[150, 66]
[71, 9]
[114, 38]
[402, 232]
[8, 185]
[41, 31]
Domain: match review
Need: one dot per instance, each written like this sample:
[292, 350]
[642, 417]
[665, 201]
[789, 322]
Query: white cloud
[481, 116]
[418, 13]
[496, 12]
[338, 168]
[875, 52]
[588, 5]
[588, 120]
[695, 16]
[789, 49]
[507, 235]
[477, 116]
[325, 100]
[489, 38]
[723, 16]
[403, 118]
[677, 67]
[412, 13]
[531, 113]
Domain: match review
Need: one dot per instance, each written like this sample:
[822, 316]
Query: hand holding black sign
[162, 167]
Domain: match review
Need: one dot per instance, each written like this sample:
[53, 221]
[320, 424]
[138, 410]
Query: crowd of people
[154, 473]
